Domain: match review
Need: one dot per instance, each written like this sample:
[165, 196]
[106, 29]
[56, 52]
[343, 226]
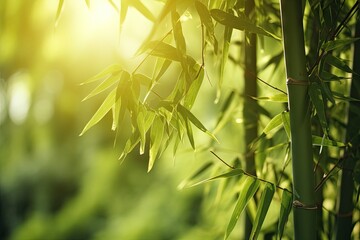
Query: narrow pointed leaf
[58, 12]
[194, 89]
[87, 3]
[116, 113]
[274, 98]
[263, 207]
[188, 115]
[109, 70]
[205, 17]
[331, 45]
[143, 79]
[285, 209]
[141, 127]
[318, 102]
[285, 116]
[190, 133]
[199, 172]
[142, 9]
[327, 92]
[226, 44]
[241, 23]
[156, 136]
[338, 63]
[164, 67]
[274, 123]
[114, 78]
[320, 141]
[161, 49]
[123, 12]
[232, 173]
[100, 113]
[130, 145]
[248, 190]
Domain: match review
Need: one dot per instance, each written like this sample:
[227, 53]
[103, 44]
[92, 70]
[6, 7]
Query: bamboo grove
[315, 126]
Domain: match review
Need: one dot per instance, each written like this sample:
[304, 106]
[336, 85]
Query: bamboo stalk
[343, 225]
[249, 112]
[304, 207]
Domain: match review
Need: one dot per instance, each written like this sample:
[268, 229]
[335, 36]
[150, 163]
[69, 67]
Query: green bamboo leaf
[327, 76]
[274, 123]
[338, 63]
[276, 59]
[205, 18]
[274, 98]
[232, 173]
[188, 115]
[224, 57]
[226, 111]
[58, 12]
[285, 116]
[194, 89]
[131, 143]
[187, 182]
[142, 9]
[189, 133]
[263, 207]
[116, 113]
[87, 3]
[248, 190]
[341, 96]
[108, 82]
[286, 206]
[124, 6]
[318, 102]
[141, 127]
[156, 136]
[180, 43]
[240, 22]
[164, 66]
[320, 141]
[100, 113]
[325, 89]
[331, 45]
[142, 79]
[113, 5]
[161, 49]
[112, 69]
[178, 34]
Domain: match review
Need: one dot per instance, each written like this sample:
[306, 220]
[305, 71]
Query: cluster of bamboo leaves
[155, 124]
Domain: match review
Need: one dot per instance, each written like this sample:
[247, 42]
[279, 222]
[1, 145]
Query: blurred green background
[57, 185]
[53, 183]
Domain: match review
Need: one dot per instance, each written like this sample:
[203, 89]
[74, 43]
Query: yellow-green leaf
[111, 80]
[100, 113]
[274, 123]
[156, 136]
[285, 209]
[112, 69]
[263, 207]
[248, 190]
[58, 12]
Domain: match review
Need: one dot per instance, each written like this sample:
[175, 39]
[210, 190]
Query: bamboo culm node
[298, 204]
[291, 81]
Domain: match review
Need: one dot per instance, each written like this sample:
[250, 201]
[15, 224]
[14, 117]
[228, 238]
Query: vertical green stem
[249, 112]
[301, 144]
[343, 226]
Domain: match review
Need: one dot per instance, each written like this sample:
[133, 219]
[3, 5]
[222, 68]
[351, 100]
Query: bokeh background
[57, 185]
[53, 183]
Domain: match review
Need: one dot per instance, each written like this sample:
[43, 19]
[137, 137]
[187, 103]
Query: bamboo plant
[304, 207]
